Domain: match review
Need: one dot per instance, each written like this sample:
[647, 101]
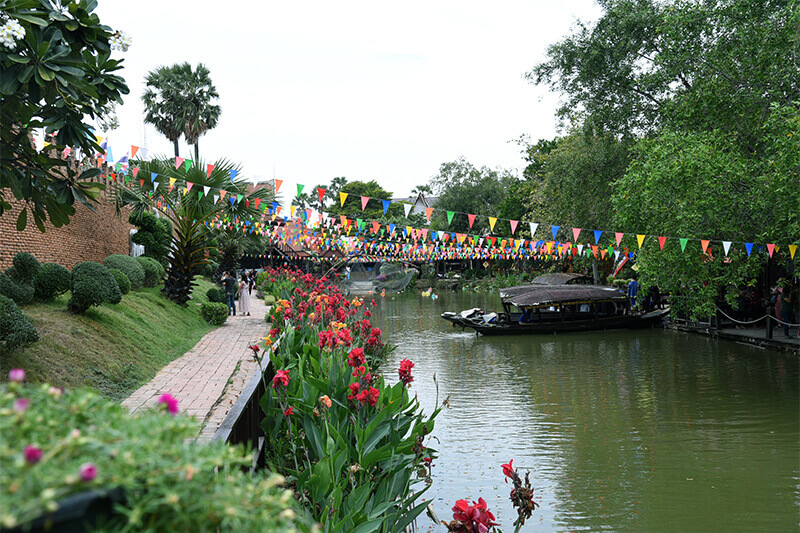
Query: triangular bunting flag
[364, 202]
[597, 234]
[534, 227]
[300, 189]
[513, 225]
[153, 176]
[554, 230]
[492, 222]
[726, 246]
[683, 244]
[575, 233]
[407, 209]
[640, 239]
[209, 169]
[233, 174]
[134, 149]
[386, 204]
[321, 193]
[661, 241]
[471, 219]
[342, 198]
[618, 236]
[792, 250]
[704, 244]
[278, 184]
[749, 247]
[189, 185]
[450, 217]
[428, 213]
[770, 249]
[178, 162]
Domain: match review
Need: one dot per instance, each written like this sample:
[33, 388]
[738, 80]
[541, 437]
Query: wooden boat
[556, 308]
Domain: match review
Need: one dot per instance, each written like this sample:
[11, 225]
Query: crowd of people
[241, 289]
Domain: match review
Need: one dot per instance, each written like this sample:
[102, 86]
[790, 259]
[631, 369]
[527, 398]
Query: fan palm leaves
[178, 101]
[192, 200]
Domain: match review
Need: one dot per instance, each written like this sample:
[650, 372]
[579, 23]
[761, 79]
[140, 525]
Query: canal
[649, 430]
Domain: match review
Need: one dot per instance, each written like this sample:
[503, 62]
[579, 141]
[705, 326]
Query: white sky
[311, 90]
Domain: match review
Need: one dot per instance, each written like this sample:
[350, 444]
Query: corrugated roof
[550, 294]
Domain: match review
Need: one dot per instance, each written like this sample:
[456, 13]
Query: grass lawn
[112, 348]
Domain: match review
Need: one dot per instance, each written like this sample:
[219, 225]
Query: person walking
[787, 303]
[633, 290]
[244, 294]
[229, 284]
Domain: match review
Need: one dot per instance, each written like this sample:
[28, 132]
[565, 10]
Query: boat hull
[645, 320]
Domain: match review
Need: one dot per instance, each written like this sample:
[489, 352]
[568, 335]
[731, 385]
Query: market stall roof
[552, 294]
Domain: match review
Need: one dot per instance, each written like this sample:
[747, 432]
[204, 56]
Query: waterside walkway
[753, 336]
[209, 378]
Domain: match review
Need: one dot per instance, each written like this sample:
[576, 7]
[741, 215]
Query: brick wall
[90, 236]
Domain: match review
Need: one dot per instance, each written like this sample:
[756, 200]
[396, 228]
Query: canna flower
[326, 401]
[170, 401]
[289, 411]
[405, 372]
[508, 469]
[281, 378]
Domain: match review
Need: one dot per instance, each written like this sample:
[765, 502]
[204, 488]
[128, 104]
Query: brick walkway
[208, 379]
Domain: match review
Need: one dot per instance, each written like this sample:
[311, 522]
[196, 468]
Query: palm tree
[192, 213]
[200, 115]
[178, 101]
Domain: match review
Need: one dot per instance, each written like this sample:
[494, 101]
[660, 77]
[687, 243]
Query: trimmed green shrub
[92, 284]
[16, 329]
[21, 293]
[214, 313]
[130, 266]
[122, 280]
[25, 268]
[153, 271]
[51, 280]
[154, 233]
[215, 294]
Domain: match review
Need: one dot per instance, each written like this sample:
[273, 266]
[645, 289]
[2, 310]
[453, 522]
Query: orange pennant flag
[134, 149]
[278, 184]
[428, 213]
[209, 169]
[704, 243]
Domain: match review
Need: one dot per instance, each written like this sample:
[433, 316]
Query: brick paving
[208, 379]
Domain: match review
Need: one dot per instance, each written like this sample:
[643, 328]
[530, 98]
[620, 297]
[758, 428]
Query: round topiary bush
[51, 280]
[16, 329]
[214, 313]
[130, 266]
[21, 293]
[25, 268]
[92, 284]
[153, 271]
[215, 294]
[122, 280]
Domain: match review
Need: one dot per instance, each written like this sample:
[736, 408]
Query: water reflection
[621, 430]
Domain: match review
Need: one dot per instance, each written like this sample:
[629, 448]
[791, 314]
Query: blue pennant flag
[555, 230]
[597, 234]
[153, 176]
[386, 204]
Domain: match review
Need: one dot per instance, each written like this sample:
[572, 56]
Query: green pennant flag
[300, 189]
[239, 197]
[450, 217]
[187, 164]
[683, 244]
[200, 194]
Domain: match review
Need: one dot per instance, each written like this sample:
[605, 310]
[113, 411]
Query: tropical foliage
[57, 75]
[191, 199]
[353, 445]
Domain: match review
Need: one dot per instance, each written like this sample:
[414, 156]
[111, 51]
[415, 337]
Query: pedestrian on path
[787, 304]
[244, 295]
[229, 283]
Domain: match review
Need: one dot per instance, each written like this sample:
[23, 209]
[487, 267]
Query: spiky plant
[191, 210]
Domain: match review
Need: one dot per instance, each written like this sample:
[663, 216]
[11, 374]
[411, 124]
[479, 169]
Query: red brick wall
[90, 236]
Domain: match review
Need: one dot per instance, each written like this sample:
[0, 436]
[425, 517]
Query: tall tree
[191, 212]
[57, 74]
[178, 101]
[352, 207]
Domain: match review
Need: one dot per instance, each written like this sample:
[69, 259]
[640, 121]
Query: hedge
[92, 284]
[121, 279]
[20, 293]
[215, 294]
[130, 266]
[51, 280]
[25, 268]
[153, 271]
[16, 329]
[214, 313]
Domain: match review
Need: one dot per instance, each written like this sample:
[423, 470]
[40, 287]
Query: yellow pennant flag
[291, 209]
[172, 182]
[792, 250]
[492, 222]
[640, 240]
[342, 198]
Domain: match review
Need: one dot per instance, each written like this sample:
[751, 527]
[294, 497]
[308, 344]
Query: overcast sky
[361, 89]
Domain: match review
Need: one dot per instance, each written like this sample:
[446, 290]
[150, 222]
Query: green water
[648, 430]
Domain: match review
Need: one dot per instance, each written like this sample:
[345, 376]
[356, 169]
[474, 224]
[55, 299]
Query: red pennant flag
[375, 226]
[513, 226]
[135, 171]
[209, 169]
[471, 220]
[247, 203]
[770, 249]
[704, 243]
[364, 202]
[134, 149]
[178, 162]
[661, 241]
[619, 237]
[428, 213]
[141, 183]
[258, 201]
[575, 233]
[343, 220]
[321, 193]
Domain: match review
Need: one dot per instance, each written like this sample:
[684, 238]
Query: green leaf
[16, 58]
[46, 74]
[30, 18]
[22, 220]
[368, 527]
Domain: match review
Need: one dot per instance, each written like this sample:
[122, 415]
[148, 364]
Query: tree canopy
[57, 75]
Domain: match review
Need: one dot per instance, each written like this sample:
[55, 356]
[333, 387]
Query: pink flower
[17, 375]
[288, 411]
[32, 454]
[170, 401]
[87, 471]
[281, 378]
[405, 371]
[21, 405]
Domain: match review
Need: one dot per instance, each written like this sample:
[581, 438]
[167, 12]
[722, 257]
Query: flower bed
[58, 447]
[352, 446]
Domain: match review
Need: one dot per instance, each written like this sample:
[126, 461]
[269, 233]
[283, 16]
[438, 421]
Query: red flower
[359, 371]
[289, 411]
[87, 471]
[477, 517]
[405, 371]
[356, 357]
[372, 396]
[255, 348]
[353, 390]
[32, 454]
[281, 378]
[508, 469]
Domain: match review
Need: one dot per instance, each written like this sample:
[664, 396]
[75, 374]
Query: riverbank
[113, 349]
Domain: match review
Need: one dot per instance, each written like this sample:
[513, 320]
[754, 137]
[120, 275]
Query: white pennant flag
[534, 225]
[480, 242]
[155, 185]
[441, 235]
[216, 198]
[407, 208]
[205, 190]
[616, 255]
[726, 245]
[580, 249]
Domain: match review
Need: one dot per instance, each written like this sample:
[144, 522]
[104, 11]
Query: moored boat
[557, 308]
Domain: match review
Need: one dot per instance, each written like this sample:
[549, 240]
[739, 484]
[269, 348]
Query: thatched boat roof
[552, 294]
